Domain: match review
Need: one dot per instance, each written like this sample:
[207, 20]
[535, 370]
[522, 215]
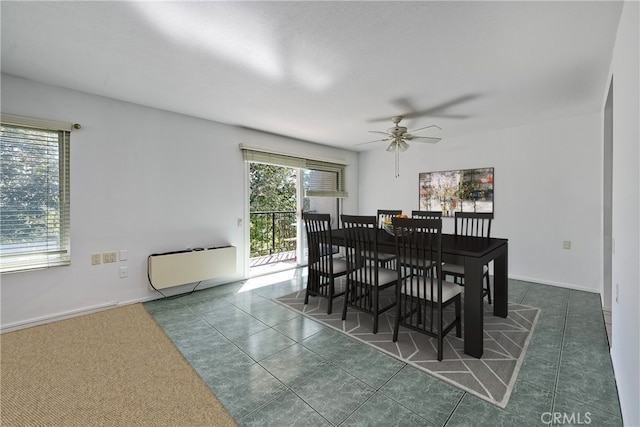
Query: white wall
[143, 180]
[625, 352]
[548, 188]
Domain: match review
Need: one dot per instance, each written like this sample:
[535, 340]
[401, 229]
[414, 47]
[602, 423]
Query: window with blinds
[322, 178]
[34, 205]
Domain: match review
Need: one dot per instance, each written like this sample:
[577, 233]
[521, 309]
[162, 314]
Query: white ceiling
[322, 71]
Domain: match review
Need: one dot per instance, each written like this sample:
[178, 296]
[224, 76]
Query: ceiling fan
[398, 137]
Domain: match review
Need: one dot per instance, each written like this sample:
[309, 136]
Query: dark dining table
[473, 253]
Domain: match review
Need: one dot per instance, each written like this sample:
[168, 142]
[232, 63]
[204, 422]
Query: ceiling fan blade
[440, 107]
[404, 104]
[371, 142]
[426, 127]
[379, 131]
[450, 116]
[410, 112]
[428, 139]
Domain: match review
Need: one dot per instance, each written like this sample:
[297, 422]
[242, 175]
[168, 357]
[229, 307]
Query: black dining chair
[471, 224]
[426, 214]
[423, 295]
[323, 267]
[365, 278]
[386, 260]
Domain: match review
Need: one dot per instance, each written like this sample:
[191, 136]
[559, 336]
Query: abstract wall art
[468, 190]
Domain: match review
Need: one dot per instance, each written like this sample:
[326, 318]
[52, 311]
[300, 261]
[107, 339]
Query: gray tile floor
[270, 366]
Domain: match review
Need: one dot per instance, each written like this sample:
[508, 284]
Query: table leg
[501, 284]
[473, 307]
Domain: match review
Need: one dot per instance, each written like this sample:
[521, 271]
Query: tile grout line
[564, 330]
[552, 392]
[288, 388]
[377, 390]
[573, 398]
[454, 409]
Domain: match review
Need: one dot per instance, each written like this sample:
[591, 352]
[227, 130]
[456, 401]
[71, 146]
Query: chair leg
[396, 325]
[344, 306]
[458, 309]
[311, 280]
[440, 334]
[488, 288]
[376, 307]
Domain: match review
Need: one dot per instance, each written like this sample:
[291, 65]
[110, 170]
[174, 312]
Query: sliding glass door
[273, 223]
[281, 188]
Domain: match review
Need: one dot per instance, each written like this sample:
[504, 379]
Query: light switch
[124, 254]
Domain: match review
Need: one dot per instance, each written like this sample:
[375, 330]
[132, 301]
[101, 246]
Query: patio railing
[272, 232]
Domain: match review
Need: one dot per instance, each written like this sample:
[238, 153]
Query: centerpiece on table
[387, 223]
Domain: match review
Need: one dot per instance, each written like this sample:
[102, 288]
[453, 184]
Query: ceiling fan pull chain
[397, 162]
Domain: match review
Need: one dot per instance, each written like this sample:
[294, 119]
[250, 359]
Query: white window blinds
[324, 179]
[34, 204]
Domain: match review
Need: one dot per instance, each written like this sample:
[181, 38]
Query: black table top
[451, 244]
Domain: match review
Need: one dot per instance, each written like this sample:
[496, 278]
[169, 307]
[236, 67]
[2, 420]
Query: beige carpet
[112, 368]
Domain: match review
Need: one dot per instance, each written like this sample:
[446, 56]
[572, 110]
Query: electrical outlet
[96, 259]
[566, 244]
[124, 272]
[109, 257]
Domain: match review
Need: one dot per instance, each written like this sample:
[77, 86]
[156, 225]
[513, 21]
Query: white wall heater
[179, 268]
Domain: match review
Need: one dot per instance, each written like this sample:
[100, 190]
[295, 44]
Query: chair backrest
[473, 224]
[426, 214]
[387, 213]
[319, 241]
[421, 293]
[419, 268]
[361, 239]
[419, 244]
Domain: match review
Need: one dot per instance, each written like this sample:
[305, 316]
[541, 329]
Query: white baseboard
[55, 317]
[552, 283]
[94, 309]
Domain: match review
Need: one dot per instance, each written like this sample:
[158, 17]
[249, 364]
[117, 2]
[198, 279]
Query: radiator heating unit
[179, 268]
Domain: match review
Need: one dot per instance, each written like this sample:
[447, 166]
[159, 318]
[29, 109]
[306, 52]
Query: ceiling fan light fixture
[399, 135]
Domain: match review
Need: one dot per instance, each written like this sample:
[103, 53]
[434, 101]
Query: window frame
[55, 252]
[257, 155]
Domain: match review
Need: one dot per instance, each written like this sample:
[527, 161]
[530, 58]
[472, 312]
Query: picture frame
[465, 190]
